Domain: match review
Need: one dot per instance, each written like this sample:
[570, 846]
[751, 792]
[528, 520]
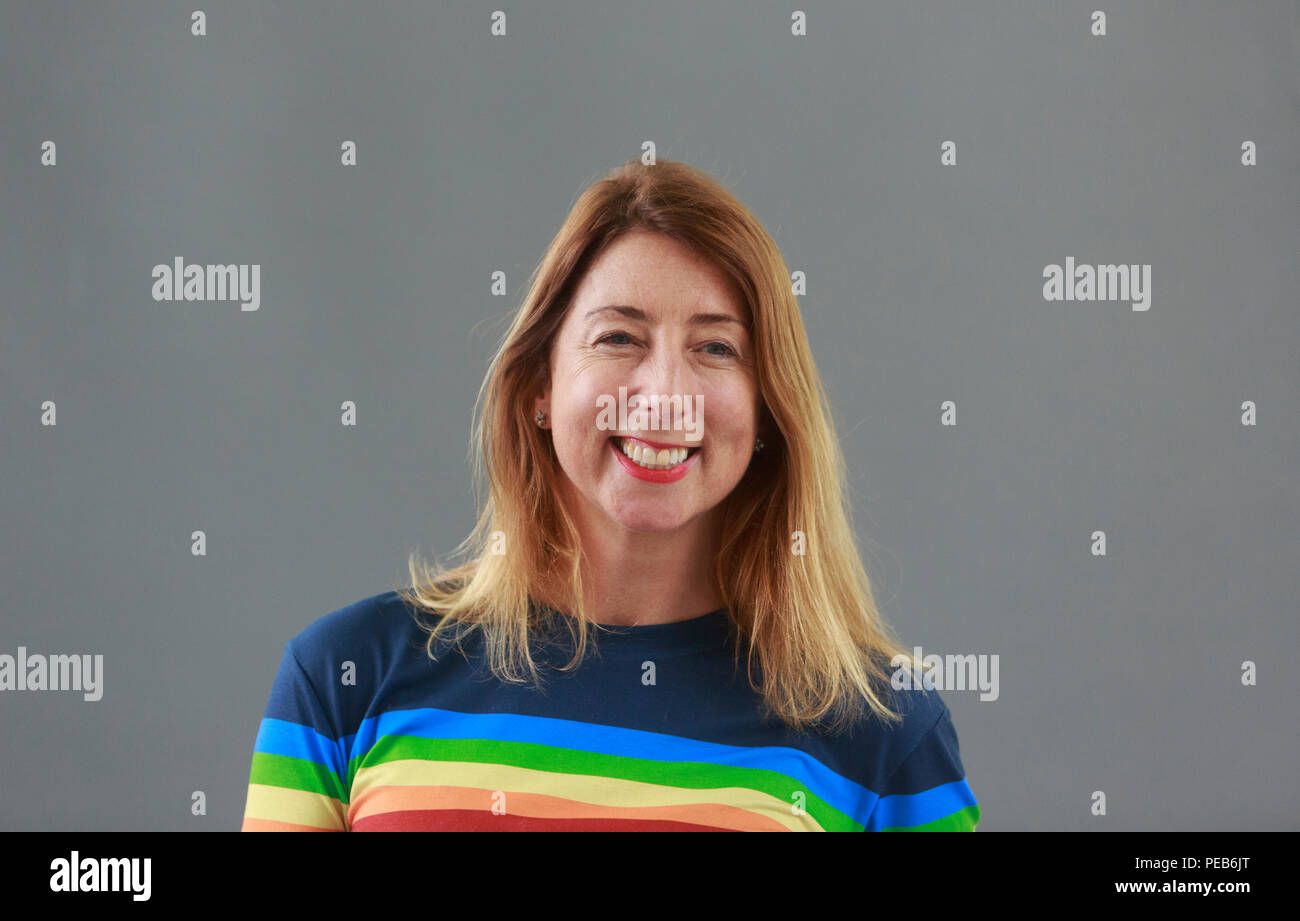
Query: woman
[664, 502]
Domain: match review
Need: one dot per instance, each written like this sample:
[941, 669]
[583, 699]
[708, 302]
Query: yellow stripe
[584, 788]
[378, 801]
[281, 804]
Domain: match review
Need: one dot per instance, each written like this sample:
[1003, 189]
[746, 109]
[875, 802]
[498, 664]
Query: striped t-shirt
[656, 730]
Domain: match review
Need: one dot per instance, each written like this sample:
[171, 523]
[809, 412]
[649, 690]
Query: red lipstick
[671, 475]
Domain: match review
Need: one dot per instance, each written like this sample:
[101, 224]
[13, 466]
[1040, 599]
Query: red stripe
[482, 820]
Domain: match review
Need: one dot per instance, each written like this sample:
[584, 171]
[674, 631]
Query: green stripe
[962, 820]
[296, 774]
[684, 774]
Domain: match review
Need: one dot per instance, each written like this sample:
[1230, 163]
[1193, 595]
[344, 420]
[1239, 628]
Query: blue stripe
[904, 810]
[280, 737]
[850, 798]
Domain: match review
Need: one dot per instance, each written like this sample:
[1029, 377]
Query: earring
[540, 418]
[758, 445]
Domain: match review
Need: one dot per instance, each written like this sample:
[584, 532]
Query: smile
[645, 455]
[648, 461]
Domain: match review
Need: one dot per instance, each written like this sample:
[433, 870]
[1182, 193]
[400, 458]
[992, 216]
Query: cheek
[578, 408]
[729, 414]
[568, 398]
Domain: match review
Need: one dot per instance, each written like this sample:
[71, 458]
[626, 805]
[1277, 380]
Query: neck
[636, 578]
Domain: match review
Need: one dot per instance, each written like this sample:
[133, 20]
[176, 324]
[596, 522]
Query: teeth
[650, 458]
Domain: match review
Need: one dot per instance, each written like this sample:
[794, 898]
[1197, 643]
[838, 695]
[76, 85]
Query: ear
[543, 402]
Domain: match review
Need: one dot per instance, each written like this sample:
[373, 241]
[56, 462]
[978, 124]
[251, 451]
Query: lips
[643, 460]
[654, 455]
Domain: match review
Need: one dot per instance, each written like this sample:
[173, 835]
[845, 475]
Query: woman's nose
[664, 371]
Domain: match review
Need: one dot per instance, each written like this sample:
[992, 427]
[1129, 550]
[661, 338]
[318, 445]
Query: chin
[651, 519]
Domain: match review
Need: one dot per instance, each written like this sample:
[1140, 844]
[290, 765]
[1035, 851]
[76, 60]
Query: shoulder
[924, 715]
[920, 709]
[349, 659]
[922, 783]
[374, 624]
[875, 748]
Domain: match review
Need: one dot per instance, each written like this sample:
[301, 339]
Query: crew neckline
[695, 634]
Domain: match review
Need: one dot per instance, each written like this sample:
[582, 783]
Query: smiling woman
[580, 668]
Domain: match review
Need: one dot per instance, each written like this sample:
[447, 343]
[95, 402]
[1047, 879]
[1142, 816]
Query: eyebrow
[635, 313]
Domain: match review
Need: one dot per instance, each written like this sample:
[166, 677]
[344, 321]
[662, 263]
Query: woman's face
[678, 331]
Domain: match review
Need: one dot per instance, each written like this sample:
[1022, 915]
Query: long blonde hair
[809, 620]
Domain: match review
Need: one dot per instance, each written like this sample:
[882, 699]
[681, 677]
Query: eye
[611, 335]
[728, 349]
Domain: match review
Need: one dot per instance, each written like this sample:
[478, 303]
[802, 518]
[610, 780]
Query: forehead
[659, 276]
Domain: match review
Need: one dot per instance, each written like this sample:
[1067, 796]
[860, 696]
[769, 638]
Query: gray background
[1118, 674]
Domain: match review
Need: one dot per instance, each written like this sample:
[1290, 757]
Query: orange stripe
[378, 800]
[251, 824]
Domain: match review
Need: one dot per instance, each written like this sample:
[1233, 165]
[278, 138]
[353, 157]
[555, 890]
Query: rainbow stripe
[430, 769]
[411, 742]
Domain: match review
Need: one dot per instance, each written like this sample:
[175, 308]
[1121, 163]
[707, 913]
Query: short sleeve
[928, 790]
[298, 779]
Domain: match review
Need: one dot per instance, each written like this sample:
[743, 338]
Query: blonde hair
[810, 620]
